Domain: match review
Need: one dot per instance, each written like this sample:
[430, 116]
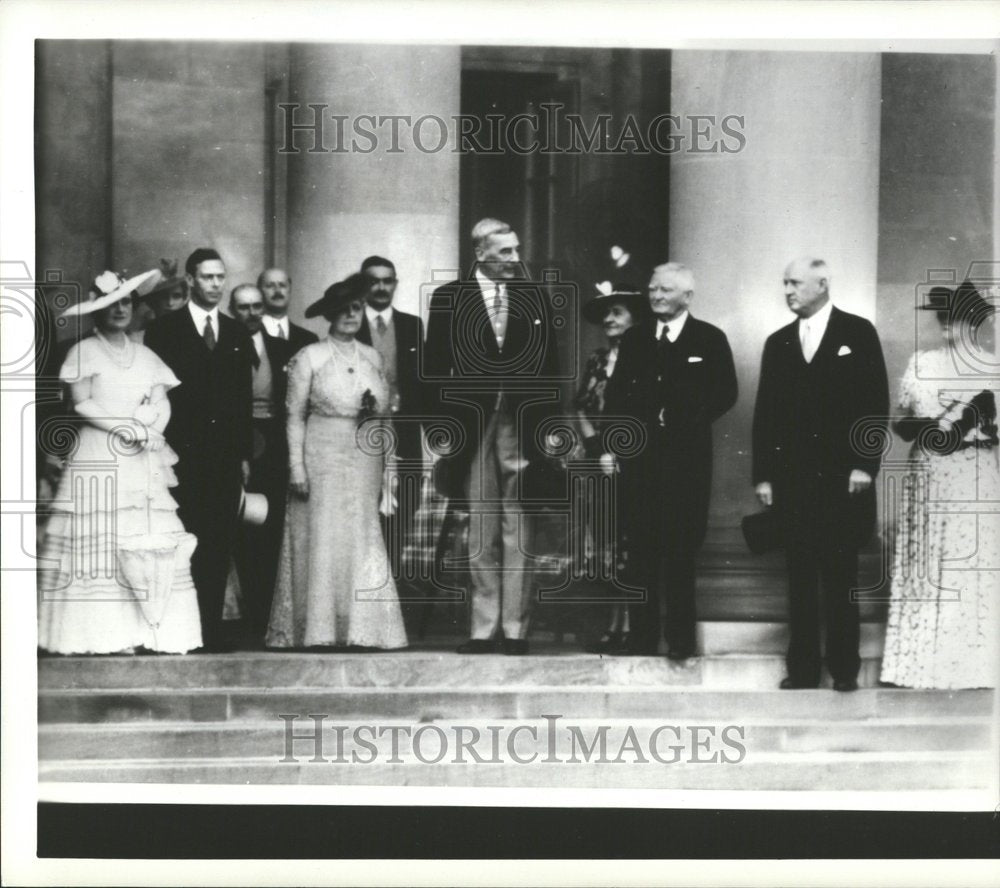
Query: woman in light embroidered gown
[943, 614]
[113, 510]
[616, 309]
[335, 586]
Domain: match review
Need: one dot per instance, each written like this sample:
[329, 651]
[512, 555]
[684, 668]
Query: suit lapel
[364, 332]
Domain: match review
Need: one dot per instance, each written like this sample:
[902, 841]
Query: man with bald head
[276, 287]
[259, 547]
[821, 376]
[675, 375]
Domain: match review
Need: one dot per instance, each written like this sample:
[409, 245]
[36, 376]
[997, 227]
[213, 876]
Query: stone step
[502, 702]
[895, 771]
[435, 662]
[258, 740]
[417, 669]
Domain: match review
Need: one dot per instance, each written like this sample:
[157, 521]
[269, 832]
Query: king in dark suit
[675, 375]
[491, 362]
[821, 377]
[210, 426]
[398, 338]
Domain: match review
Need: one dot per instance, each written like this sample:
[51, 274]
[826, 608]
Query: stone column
[806, 183]
[397, 200]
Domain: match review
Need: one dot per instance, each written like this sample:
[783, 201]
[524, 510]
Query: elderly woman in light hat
[615, 309]
[114, 500]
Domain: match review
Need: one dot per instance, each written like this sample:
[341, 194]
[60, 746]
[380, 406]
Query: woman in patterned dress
[943, 614]
[335, 586]
[616, 310]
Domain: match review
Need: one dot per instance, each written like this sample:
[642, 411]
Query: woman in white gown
[943, 614]
[335, 586]
[114, 574]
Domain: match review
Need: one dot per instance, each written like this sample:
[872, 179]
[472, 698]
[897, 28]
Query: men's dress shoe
[608, 642]
[845, 684]
[515, 647]
[679, 654]
[789, 684]
[478, 646]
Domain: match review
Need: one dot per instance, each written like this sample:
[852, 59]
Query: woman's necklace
[341, 359]
[121, 357]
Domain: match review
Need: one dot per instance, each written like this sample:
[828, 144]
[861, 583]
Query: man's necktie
[499, 318]
[281, 332]
[808, 341]
[380, 325]
[255, 356]
[209, 334]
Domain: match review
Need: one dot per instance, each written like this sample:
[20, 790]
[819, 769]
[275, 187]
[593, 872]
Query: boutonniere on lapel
[844, 350]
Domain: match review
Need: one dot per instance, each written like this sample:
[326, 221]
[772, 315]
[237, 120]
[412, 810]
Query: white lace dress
[943, 615]
[335, 587]
[111, 501]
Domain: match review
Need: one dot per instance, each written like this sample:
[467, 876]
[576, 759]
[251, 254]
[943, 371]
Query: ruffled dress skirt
[114, 572]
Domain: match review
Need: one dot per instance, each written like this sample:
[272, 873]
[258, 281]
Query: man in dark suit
[820, 377]
[397, 337]
[491, 360]
[210, 427]
[276, 287]
[675, 375]
[259, 545]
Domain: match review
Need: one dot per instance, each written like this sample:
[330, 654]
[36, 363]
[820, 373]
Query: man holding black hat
[210, 426]
[821, 375]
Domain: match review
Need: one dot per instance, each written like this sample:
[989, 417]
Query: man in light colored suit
[491, 361]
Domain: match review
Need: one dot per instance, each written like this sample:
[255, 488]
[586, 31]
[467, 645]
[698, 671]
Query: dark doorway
[522, 187]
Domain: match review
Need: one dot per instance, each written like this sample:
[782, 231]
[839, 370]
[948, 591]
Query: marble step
[482, 701]
[363, 740]
[894, 771]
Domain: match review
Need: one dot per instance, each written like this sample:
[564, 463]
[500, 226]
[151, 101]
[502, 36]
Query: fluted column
[396, 201]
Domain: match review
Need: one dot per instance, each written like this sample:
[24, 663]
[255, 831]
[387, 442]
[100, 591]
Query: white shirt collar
[258, 343]
[819, 320]
[198, 314]
[674, 326]
[273, 325]
[373, 315]
[489, 287]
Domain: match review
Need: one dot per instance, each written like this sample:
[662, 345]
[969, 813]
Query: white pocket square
[694, 359]
[844, 350]
[538, 320]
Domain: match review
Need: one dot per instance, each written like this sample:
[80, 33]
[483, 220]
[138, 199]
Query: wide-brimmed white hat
[107, 289]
